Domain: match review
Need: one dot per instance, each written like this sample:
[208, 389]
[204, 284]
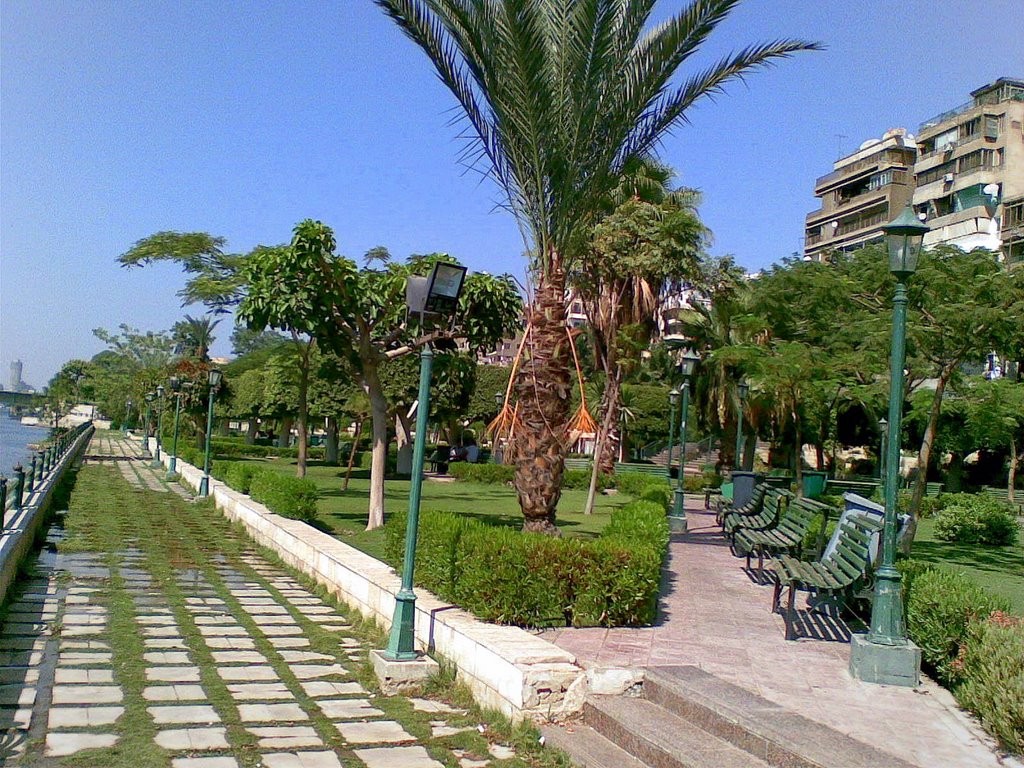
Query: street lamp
[147, 427]
[434, 297]
[673, 401]
[742, 387]
[687, 364]
[883, 429]
[885, 655]
[214, 377]
[176, 385]
[127, 413]
[159, 423]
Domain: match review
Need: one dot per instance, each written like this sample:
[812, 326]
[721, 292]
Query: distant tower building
[16, 369]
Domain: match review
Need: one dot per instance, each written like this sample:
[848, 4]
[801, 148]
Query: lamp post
[159, 423]
[214, 381]
[147, 427]
[127, 413]
[176, 386]
[673, 401]
[883, 429]
[434, 297]
[687, 364]
[741, 388]
[885, 655]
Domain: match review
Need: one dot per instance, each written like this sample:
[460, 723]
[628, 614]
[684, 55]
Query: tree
[246, 342]
[359, 315]
[133, 364]
[194, 336]
[995, 411]
[559, 96]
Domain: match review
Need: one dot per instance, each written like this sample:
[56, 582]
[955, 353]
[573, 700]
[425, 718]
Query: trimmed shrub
[990, 672]
[509, 577]
[635, 483]
[488, 474]
[240, 474]
[972, 519]
[941, 606]
[293, 497]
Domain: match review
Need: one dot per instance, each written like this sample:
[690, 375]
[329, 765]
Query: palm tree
[559, 95]
[194, 336]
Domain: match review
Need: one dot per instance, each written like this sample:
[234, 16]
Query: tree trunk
[352, 453]
[798, 469]
[609, 416]
[1012, 478]
[250, 431]
[286, 432]
[331, 441]
[750, 450]
[543, 387]
[819, 457]
[379, 430]
[925, 454]
[955, 473]
[403, 430]
[303, 426]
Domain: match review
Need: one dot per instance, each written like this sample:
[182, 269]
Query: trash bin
[814, 484]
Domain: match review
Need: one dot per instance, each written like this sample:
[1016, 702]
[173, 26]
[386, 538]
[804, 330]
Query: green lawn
[343, 513]
[998, 569]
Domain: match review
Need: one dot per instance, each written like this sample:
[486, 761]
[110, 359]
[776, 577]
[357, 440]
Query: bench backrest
[799, 515]
[851, 557]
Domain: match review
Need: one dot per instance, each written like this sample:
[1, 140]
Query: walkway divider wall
[507, 668]
[22, 525]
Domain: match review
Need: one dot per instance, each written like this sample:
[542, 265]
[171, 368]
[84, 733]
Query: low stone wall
[507, 668]
[22, 526]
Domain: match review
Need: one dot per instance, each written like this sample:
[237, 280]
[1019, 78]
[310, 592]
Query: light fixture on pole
[687, 365]
[742, 388]
[883, 429]
[433, 298]
[885, 655]
[127, 414]
[214, 378]
[148, 426]
[673, 402]
[159, 423]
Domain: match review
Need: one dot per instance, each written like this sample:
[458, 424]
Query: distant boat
[31, 421]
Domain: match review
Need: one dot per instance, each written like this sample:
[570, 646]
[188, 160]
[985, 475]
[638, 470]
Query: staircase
[688, 718]
[697, 456]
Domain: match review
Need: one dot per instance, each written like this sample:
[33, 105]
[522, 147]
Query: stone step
[660, 739]
[588, 748]
[764, 730]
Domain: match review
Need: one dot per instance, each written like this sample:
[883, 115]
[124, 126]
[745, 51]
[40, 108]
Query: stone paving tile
[17, 696]
[313, 671]
[248, 674]
[321, 688]
[173, 674]
[204, 762]
[301, 760]
[348, 709]
[192, 713]
[259, 691]
[271, 713]
[179, 739]
[166, 657]
[238, 657]
[87, 694]
[174, 693]
[64, 744]
[397, 757]
[83, 717]
[83, 676]
[286, 736]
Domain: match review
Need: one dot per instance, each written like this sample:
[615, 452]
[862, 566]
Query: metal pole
[671, 436]
[19, 485]
[401, 644]
[739, 433]
[204, 484]
[887, 625]
[173, 468]
[881, 453]
[159, 429]
[679, 505]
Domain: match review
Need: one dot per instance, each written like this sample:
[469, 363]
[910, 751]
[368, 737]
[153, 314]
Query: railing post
[30, 476]
[3, 495]
[19, 485]
[42, 468]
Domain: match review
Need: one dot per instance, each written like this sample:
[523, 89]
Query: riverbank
[15, 439]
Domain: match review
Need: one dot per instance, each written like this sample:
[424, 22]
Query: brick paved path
[157, 635]
[717, 617]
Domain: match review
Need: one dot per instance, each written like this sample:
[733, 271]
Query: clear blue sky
[119, 119]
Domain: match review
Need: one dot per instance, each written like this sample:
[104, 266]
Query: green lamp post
[176, 385]
[159, 423]
[883, 430]
[741, 388]
[147, 427]
[214, 381]
[673, 401]
[885, 655]
[687, 364]
[127, 414]
[434, 298]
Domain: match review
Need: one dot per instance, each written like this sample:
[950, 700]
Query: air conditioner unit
[948, 178]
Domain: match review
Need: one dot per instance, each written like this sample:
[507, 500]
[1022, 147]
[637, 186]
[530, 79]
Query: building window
[936, 173]
[992, 127]
[982, 158]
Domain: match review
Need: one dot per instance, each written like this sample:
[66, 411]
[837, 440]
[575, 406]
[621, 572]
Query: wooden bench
[766, 517]
[836, 574]
[577, 463]
[1003, 495]
[752, 506]
[643, 469]
[787, 536]
[865, 488]
[779, 481]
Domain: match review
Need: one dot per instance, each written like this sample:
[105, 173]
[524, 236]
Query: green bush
[505, 576]
[240, 474]
[941, 605]
[489, 474]
[990, 675]
[635, 483]
[972, 519]
[292, 497]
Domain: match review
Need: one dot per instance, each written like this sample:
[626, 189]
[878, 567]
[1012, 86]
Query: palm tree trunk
[543, 387]
[352, 453]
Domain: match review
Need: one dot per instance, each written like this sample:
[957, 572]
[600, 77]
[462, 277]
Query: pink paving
[716, 617]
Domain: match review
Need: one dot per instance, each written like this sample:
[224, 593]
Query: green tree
[995, 412]
[559, 96]
[246, 342]
[193, 336]
[133, 364]
[359, 315]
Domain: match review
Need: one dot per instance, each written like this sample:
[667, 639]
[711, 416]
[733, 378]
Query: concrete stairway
[695, 462]
[688, 718]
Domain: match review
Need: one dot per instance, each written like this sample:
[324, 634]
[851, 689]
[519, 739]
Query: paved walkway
[151, 633]
[716, 616]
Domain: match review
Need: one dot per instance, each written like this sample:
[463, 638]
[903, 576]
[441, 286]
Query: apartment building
[969, 175]
[865, 189]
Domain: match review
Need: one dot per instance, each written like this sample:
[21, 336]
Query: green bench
[779, 481]
[836, 574]
[786, 537]
[643, 469]
[752, 506]
[767, 516]
[577, 463]
[865, 488]
[1003, 495]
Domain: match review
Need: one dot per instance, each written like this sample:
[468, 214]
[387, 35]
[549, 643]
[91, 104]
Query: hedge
[293, 497]
[508, 577]
[968, 518]
[231, 448]
[971, 643]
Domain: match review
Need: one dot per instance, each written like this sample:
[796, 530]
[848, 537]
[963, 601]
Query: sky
[119, 119]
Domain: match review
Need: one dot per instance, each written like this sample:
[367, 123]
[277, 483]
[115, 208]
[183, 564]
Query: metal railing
[16, 491]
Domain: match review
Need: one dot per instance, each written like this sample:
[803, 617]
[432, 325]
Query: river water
[14, 441]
